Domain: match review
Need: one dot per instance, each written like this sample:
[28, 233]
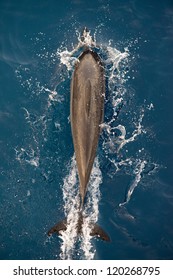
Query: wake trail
[71, 208]
[91, 210]
[71, 199]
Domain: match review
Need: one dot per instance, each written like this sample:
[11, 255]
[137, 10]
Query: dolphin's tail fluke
[100, 233]
[96, 230]
[61, 226]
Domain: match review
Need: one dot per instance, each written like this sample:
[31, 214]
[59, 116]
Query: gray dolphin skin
[87, 107]
[86, 114]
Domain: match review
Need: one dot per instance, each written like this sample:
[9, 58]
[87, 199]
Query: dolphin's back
[87, 106]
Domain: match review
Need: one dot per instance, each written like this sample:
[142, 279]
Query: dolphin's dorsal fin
[99, 232]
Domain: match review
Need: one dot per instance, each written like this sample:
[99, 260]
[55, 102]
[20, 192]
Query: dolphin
[86, 114]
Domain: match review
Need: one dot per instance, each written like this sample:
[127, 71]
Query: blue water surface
[30, 191]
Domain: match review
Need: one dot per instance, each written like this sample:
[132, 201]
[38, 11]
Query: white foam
[91, 210]
[71, 210]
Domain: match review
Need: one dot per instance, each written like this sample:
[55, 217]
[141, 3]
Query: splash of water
[71, 210]
[91, 210]
[138, 174]
[27, 156]
[114, 58]
[68, 58]
[116, 142]
[121, 140]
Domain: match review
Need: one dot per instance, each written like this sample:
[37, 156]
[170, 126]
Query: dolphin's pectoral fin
[62, 225]
[99, 232]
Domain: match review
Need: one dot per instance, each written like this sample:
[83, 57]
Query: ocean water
[130, 193]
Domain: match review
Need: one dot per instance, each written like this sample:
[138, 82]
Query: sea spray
[91, 210]
[138, 175]
[71, 210]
